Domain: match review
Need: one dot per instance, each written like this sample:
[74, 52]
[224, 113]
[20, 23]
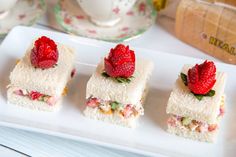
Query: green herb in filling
[114, 105]
[186, 121]
[43, 98]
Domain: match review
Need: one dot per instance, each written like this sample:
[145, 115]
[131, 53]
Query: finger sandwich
[117, 89]
[196, 103]
[39, 79]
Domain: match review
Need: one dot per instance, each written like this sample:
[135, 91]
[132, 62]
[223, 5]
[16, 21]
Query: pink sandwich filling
[109, 107]
[36, 96]
[194, 125]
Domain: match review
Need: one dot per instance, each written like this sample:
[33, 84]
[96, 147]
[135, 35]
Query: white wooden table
[21, 143]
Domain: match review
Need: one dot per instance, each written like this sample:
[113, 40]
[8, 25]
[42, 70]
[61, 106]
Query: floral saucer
[73, 20]
[25, 12]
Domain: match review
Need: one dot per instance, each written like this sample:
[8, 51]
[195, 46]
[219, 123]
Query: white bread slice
[50, 81]
[115, 118]
[194, 135]
[183, 103]
[30, 104]
[125, 93]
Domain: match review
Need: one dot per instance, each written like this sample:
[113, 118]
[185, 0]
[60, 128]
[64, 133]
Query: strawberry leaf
[104, 74]
[122, 80]
[118, 79]
[211, 93]
[198, 96]
[184, 78]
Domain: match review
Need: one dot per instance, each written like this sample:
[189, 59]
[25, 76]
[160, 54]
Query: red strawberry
[35, 95]
[201, 78]
[120, 62]
[44, 54]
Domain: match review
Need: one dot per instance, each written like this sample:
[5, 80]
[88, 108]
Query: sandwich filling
[110, 107]
[37, 96]
[194, 125]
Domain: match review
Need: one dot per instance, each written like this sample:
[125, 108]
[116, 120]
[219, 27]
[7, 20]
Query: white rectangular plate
[149, 138]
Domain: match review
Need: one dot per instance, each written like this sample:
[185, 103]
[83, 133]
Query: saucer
[25, 12]
[136, 21]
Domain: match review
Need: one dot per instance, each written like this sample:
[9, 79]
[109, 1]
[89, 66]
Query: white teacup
[5, 6]
[106, 12]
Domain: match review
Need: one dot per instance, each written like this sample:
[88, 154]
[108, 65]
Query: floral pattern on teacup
[25, 12]
[136, 21]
